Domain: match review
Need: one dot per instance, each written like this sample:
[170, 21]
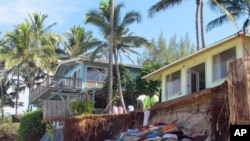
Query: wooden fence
[55, 109]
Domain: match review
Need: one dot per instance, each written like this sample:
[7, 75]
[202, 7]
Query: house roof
[66, 65]
[156, 75]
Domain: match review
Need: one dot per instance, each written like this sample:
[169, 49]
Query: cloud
[13, 12]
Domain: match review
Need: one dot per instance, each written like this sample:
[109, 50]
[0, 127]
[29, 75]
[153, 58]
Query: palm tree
[123, 41]
[12, 52]
[202, 24]
[79, 41]
[29, 50]
[166, 4]
[197, 25]
[111, 44]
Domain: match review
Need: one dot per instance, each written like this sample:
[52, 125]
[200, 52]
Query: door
[192, 81]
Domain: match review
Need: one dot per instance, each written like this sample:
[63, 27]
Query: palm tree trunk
[196, 25]
[31, 89]
[2, 100]
[110, 67]
[202, 24]
[31, 83]
[17, 89]
[119, 81]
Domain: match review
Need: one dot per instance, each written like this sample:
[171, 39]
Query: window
[96, 74]
[173, 83]
[220, 63]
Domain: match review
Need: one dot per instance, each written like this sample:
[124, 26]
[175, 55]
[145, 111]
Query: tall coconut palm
[111, 45]
[166, 4]
[79, 41]
[13, 52]
[123, 40]
[202, 24]
[197, 25]
[29, 50]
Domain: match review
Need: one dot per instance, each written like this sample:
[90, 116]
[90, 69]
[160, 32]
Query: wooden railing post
[239, 91]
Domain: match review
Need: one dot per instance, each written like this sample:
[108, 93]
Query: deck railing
[93, 84]
[57, 83]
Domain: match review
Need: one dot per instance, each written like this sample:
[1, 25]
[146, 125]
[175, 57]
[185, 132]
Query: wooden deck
[52, 86]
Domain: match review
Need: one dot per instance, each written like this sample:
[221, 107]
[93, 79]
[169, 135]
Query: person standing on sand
[149, 101]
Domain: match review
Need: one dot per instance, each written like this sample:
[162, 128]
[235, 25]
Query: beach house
[203, 69]
[74, 78]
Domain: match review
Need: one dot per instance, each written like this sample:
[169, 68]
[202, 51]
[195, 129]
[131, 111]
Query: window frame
[220, 63]
[172, 89]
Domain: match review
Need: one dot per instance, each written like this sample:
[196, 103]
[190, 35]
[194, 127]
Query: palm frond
[219, 21]
[233, 10]
[97, 19]
[130, 18]
[162, 5]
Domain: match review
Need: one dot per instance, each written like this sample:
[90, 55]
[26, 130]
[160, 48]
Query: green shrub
[31, 127]
[7, 119]
[49, 131]
[82, 107]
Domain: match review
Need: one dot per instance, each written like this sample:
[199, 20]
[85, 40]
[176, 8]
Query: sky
[66, 13]
[179, 20]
